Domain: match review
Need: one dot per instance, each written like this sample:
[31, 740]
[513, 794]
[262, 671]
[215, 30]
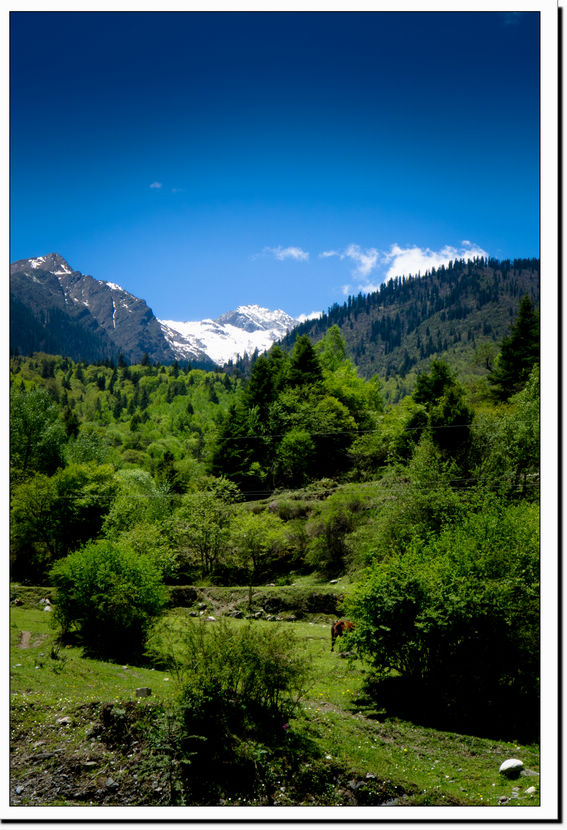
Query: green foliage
[256, 539]
[109, 595]
[336, 518]
[138, 499]
[305, 368]
[519, 353]
[238, 686]
[294, 458]
[331, 349]
[506, 444]
[200, 527]
[37, 435]
[449, 416]
[452, 623]
[52, 515]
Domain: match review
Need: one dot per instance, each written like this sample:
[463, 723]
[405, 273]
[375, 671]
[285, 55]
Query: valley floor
[81, 737]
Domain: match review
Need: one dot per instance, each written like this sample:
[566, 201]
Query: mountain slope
[76, 315]
[446, 313]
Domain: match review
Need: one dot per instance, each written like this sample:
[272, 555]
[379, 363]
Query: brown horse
[338, 628]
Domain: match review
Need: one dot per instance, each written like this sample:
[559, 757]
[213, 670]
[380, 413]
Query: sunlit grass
[432, 766]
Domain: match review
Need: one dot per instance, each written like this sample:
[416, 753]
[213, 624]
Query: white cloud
[156, 185]
[397, 262]
[287, 253]
[414, 260]
[313, 315]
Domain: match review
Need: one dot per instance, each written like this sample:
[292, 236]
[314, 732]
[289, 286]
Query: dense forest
[129, 481]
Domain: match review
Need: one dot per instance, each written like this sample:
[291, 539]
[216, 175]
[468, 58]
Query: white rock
[511, 768]
[530, 790]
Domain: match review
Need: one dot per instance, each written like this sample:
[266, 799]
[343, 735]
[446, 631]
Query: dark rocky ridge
[57, 309]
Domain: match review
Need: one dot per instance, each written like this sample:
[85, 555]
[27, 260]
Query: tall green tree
[519, 353]
[305, 367]
[37, 435]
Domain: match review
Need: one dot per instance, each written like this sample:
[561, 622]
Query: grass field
[421, 765]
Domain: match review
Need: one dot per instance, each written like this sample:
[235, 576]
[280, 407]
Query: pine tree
[305, 368]
[519, 353]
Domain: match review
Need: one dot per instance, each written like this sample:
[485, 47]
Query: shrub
[450, 627]
[238, 686]
[109, 595]
[261, 667]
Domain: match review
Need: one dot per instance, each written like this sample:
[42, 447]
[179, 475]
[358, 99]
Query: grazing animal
[338, 628]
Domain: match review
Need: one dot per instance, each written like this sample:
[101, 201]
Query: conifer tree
[519, 353]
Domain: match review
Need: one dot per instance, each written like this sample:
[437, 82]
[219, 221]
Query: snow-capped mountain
[234, 333]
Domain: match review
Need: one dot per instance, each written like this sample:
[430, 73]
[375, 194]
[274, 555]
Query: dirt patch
[25, 639]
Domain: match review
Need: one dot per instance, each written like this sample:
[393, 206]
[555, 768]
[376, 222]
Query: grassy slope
[427, 766]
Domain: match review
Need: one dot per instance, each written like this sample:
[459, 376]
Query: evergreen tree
[305, 368]
[519, 353]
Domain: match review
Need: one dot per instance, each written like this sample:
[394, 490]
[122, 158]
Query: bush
[109, 595]
[450, 627]
[238, 686]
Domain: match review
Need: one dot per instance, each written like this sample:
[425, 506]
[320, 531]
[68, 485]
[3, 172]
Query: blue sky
[208, 160]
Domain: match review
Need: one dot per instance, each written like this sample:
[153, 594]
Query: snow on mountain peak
[247, 328]
[54, 263]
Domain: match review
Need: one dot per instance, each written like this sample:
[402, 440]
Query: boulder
[511, 768]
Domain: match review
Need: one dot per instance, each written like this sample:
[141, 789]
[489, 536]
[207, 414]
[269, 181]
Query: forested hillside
[457, 313]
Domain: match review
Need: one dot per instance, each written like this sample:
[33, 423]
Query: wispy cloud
[397, 262]
[365, 260]
[286, 253]
[156, 185]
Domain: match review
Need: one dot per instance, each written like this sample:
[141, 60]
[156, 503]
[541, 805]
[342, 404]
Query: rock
[370, 775]
[66, 721]
[111, 784]
[258, 614]
[201, 605]
[530, 791]
[143, 691]
[47, 608]
[503, 799]
[511, 768]
[210, 618]
[333, 581]
[19, 790]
